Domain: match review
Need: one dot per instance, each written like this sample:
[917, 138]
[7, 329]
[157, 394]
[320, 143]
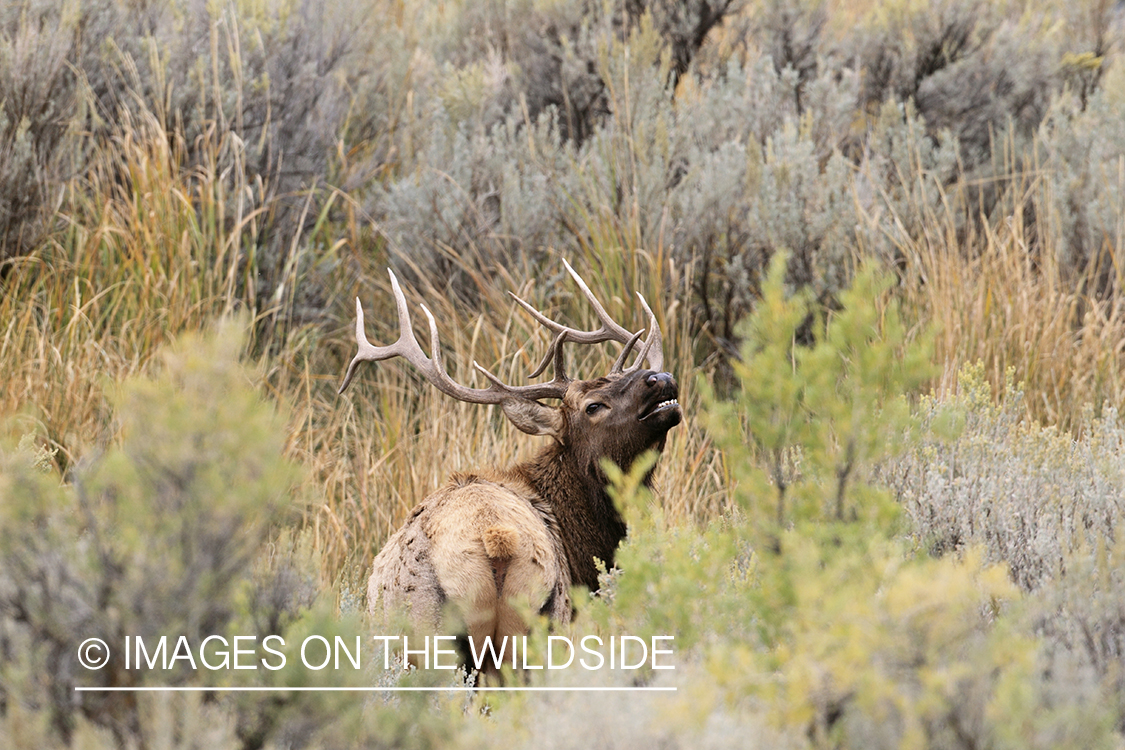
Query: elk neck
[588, 521]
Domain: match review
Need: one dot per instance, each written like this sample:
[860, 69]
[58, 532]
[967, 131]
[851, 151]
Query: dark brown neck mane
[589, 524]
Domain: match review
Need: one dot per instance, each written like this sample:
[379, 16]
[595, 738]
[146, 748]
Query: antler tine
[553, 353]
[610, 330]
[609, 325]
[406, 346]
[653, 349]
[432, 367]
[624, 355]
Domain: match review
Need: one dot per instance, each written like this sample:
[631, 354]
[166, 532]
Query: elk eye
[591, 408]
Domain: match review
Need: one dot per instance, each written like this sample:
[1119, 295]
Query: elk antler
[432, 368]
[434, 371]
[652, 350]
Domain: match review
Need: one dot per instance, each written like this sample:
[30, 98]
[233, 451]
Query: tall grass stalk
[144, 253]
[999, 291]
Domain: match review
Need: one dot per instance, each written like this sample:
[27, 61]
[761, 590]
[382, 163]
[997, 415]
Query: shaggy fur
[526, 534]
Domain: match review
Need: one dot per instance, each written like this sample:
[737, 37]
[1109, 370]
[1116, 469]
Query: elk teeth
[659, 407]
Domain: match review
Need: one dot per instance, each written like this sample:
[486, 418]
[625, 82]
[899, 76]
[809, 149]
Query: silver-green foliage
[159, 536]
[1046, 504]
[502, 131]
[1030, 494]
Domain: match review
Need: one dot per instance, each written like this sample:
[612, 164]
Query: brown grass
[1001, 296]
[149, 248]
[140, 254]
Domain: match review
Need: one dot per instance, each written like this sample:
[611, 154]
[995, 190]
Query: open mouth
[660, 406]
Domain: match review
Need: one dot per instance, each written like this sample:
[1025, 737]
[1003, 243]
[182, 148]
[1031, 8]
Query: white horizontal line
[193, 689]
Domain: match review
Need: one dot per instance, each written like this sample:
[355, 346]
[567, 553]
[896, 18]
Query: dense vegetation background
[885, 241]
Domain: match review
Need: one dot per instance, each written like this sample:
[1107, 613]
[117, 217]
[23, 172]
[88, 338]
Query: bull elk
[526, 533]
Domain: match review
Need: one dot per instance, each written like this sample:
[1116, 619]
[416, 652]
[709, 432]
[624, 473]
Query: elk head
[618, 416]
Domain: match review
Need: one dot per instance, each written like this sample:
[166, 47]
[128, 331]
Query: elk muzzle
[660, 405]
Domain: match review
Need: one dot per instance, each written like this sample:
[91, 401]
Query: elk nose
[659, 378]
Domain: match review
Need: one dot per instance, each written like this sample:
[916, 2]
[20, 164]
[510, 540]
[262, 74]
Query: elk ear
[533, 417]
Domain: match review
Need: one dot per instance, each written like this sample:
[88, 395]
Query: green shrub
[153, 537]
[822, 621]
[1028, 494]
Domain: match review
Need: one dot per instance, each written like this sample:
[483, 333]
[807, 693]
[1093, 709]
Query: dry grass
[148, 243]
[271, 161]
[1000, 294]
[151, 248]
[142, 253]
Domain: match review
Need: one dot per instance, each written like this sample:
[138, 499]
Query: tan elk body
[492, 541]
